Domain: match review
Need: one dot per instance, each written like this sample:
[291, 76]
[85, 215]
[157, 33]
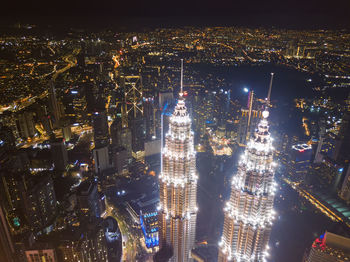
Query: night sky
[297, 14]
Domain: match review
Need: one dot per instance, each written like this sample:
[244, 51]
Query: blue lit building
[149, 225]
[144, 213]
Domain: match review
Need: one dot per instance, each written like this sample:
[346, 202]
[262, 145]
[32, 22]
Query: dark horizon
[152, 14]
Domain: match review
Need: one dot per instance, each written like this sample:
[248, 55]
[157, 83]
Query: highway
[133, 246]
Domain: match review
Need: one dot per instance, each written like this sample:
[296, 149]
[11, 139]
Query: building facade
[249, 211]
[329, 248]
[178, 187]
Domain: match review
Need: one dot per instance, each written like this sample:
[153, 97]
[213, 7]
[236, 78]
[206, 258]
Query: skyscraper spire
[181, 81]
[269, 93]
[178, 186]
[249, 212]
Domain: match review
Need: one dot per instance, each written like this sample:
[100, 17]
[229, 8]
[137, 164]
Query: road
[78, 130]
[134, 248]
[71, 60]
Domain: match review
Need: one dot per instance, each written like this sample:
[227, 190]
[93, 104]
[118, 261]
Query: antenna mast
[269, 93]
[182, 72]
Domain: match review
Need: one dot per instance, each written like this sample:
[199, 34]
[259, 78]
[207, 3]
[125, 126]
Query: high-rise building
[299, 163]
[25, 125]
[41, 255]
[327, 174]
[88, 199]
[325, 147]
[75, 103]
[54, 106]
[121, 137]
[247, 124]
[40, 201]
[100, 126]
[178, 186]
[249, 211]
[120, 160]
[138, 136]
[59, 154]
[101, 159]
[165, 97]
[133, 92]
[342, 145]
[150, 117]
[149, 226]
[66, 131]
[93, 245]
[7, 248]
[329, 248]
[345, 188]
[14, 187]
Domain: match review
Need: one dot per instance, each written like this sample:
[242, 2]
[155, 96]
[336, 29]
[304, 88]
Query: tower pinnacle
[181, 81]
[269, 93]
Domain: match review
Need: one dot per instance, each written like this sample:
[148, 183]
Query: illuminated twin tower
[178, 185]
[249, 211]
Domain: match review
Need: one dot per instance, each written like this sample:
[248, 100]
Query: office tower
[299, 163]
[149, 226]
[40, 201]
[102, 204]
[88, 199]
[120, 160]
[342, 146]
[76, 103]
[25, 125]
[100, 127]
[7, 141]
[165, 97]
[329, 248]
[178, 186]
[345, 188]
[69, 248]
[249, 211]
[121, 137]
[101, 159]
[138, 136]
[152, 147]
[59, 154]
[93, 245]
[327, 174]
[204, 112]
[41, 255]
[325, 147]
[14, 187]
[66, 130]
[133, 94]
[44, 124]
[54, 106]
[7, 248]
[150, 117]
[247, 124]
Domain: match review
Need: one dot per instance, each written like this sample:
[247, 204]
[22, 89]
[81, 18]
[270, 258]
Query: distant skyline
[133, 14]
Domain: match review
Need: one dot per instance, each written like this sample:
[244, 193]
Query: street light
[246, 90]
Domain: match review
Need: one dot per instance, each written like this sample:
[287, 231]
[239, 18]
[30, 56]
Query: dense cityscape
[191, 143]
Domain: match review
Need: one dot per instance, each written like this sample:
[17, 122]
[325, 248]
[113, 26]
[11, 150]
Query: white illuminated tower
[178, 186]
[249, 211]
